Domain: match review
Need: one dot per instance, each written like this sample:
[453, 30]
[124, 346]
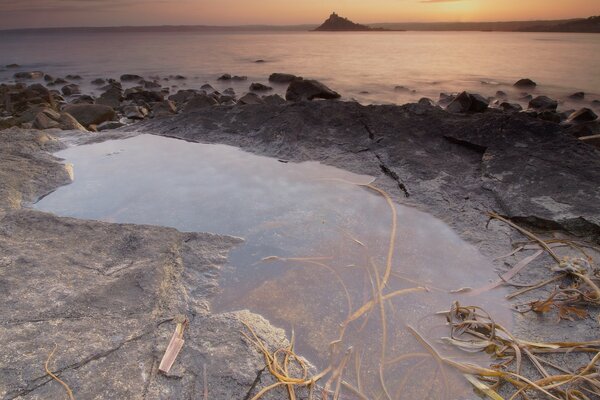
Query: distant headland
[341, 24]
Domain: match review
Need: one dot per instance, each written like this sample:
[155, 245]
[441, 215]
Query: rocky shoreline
[108, 294]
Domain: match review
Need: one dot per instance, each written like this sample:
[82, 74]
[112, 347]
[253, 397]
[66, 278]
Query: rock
[73, 77]
[135, 112]
[70, 89]
[48, 119]
[98, 81]
[400, 88]
[478, 103]
[208, 88]
[83, 99]
[229, 103]
[543, 103]
[259, 87]
[425, 101]
[500, 94]
[224, 77]
[8, 122]
[582, 115]
[109, 125]
[179, 77]
[550, 116]
[140, 95]
[577, 96]
[12, 66]
[460, 104]
[526, 97]
[183, 96]
[259, 61]
[308, 89]
[59, 81]
[239, 78]
[224, 98]
[229, 92]
[131, 78]
[273, 99]
[151, 84]
[278, 77]
[164, 108]
[510, 107]
[525, 83]
[199, 101]
[48, 78]
[445, 99]
[111, 97]
[88, 114]
[250, 98]
[29, 75]
[19, 98]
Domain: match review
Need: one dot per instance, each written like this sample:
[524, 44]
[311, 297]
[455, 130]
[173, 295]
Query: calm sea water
[351, 63]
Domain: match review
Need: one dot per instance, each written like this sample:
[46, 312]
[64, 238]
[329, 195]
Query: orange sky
[35, 13]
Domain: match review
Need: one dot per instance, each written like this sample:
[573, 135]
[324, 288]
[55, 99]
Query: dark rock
[500, 94]
[83, 99]
[550, 116]
[478, 103]
[526, 97]
[239, 78]
[164, 108]
[229, 92]
[425, 101]
[543, 103]
[582, 115]
[198, 102]
[308, 89]
[48, 78]
[140, 95]
[48, 119]
[525, 83]
[259, 61]
[510, 107]
[60, 81]
[150, 84]
[73, 77]
[183, 96]
[400, 88]
[224, 77]
[250, 98]
[273, 99]
[12, 66]
[179, 77]
[224, 98]
[98, 81]
[112, 97]
[259, 87]
[208, 88]
[460, 104]
[29, 75]
[278, 77]
[109, 125]
[131, 78]
[88, 114]
[577, 96]
[135, 112]
[445, 99]
[70, 89]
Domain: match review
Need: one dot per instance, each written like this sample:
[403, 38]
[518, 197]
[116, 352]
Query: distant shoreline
[506, 26]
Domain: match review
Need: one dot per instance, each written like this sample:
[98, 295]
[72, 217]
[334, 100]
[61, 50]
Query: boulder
[460, 104]
[199, 101]
[582, 115]
[59, 81]
[164, 108]
[500, 94]
[70, 89]
[445, 99]
[12, 66]
[510, 107]
[425, 101]
[73, 77]
[140, 95]
[577, 96]
[543, 103]
[151, 85]
[225, 98]
[259, 87]
[109, 125]
[131, 78]
[111, 97]
[309, 89]
[98, 81]
[229, 92]
[178, 77]
[273, 99]
[250, 98]
[88, 114]
[133, 111]
[29, 75]
[239, 78]
[224, 77]
[550, 116]
[525, 83]
[478, 103]
[208, 88]
[183, 96]
[48, 78]
[259, 61]
[48, 119]
[83, 99]
[279, 77]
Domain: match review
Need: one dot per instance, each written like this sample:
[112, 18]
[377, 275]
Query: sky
[60, 13]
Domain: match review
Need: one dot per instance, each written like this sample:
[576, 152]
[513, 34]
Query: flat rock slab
[106, 295]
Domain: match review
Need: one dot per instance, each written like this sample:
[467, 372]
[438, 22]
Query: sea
[369, 67]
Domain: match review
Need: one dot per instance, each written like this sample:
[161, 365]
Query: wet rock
[70, 89]
[478, 103]
[135, 112]
[250, 98]
[259, 87]
[19, 98]
[73, 77]
[29, 75]
[112, 97]
[131, 78]
[445, 99]
[500, 94]
[239, 78]
[273, 99]
[12, 66]
[59, 81]
[526, 97]
[259, 61]
[88, 114]
[278, 77]
[543, 103]
[510, 107]
[164, 108]
[140, 95]
[582, 115]
[98, 82]
[208, 88]
[229, 92]
[309, 89]
[550, 116]
[183, 96]
[83, 99]
[109, 125]
[48, 78]
[224, 98]
[151, 85]
[466, 102]
[48, 119]
[426, 101]
[577, 96]
[198, 102]
[525, 83]
[224, 77]
[178, 77]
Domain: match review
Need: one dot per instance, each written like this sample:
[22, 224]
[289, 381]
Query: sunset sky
[41, 13]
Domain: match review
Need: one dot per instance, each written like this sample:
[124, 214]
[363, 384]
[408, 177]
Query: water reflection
[316, 251]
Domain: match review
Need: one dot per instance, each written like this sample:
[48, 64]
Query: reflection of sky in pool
[288, 210]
